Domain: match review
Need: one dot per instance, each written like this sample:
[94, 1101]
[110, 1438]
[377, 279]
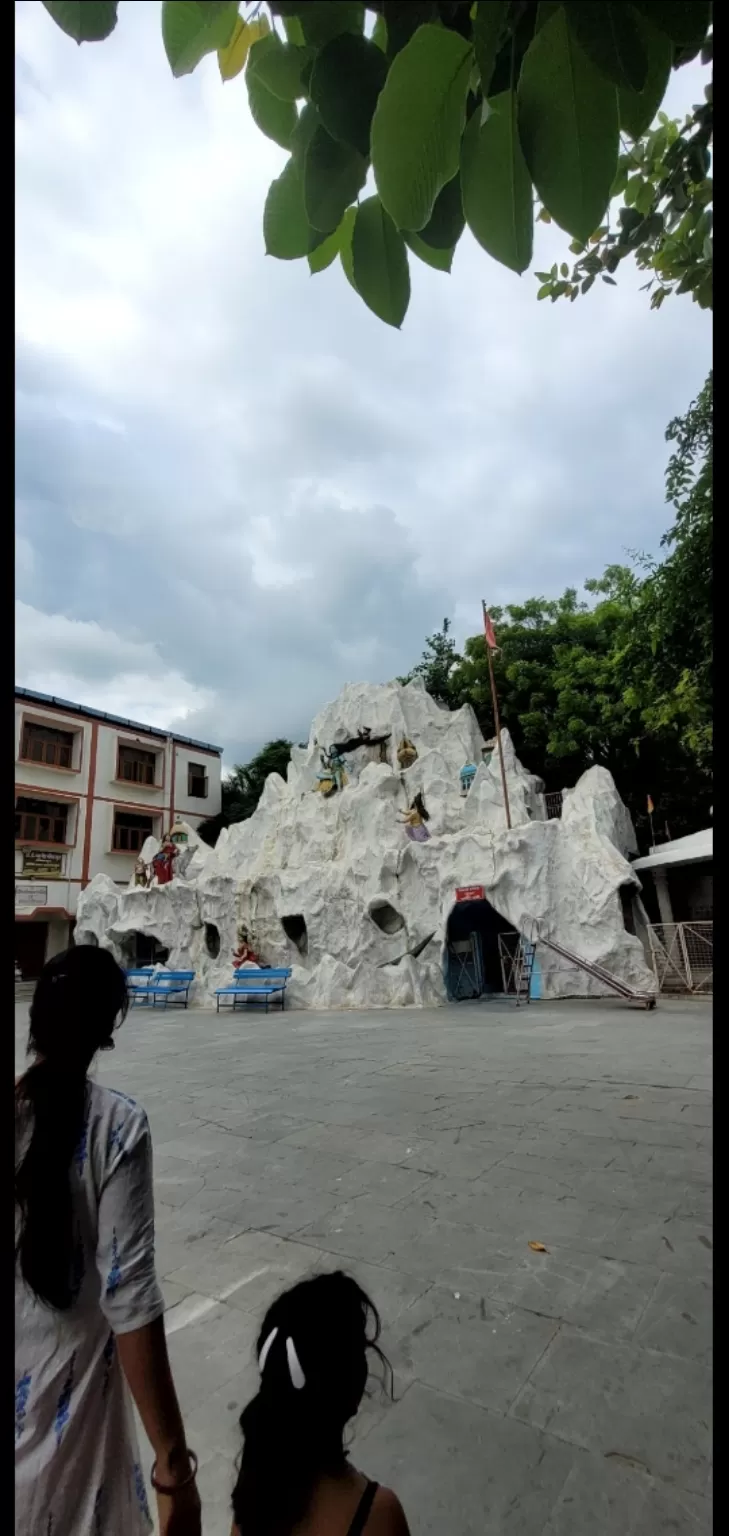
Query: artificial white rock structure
[332, 885]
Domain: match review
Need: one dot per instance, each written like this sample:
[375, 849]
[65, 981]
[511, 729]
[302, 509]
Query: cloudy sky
[236, 488]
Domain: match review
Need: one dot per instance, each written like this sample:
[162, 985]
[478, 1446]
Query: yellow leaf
[245, 34]
[544, 217]
[538, 1248]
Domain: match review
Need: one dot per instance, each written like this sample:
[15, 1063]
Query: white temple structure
[340, 876]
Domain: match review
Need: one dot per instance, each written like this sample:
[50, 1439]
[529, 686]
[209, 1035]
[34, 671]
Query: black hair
[294, 1436]
[419, 806]
[79, 998]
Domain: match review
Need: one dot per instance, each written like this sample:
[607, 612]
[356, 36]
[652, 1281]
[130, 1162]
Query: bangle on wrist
[184, 1482]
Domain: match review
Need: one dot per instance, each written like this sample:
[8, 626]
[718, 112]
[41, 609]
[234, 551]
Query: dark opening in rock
[387, 918]
[627, 897]
[144, 949]
[294, 926]
[212, 940]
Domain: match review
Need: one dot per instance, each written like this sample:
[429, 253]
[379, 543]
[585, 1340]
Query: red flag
[489, 628]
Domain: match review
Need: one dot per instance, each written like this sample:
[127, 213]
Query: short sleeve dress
[77, 1464]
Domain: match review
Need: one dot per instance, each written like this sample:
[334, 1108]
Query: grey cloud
[235, 463]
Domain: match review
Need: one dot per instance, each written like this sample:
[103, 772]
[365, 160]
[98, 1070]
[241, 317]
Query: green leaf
[276, 118]
[380, 263]
[326, 248]
[544, 291]
[418, 122]
[488, 28]
[379, 33]
[686, 24]
[445, 225]
[568, 127]
[294, 31]
[441, 260]
[637, 109]
[333, 176]
[497, 188]
[347, 78]
[86, 21]
[307, 123]
[191, 28]
[345, 245]
[321, 20]
[278, 66]
[610, 36]
[285, 225]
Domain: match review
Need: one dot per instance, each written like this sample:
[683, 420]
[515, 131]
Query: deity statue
[244, 955]
[178, 834]
[332, 775]
[141, 873]
[467, 776]
[406, 753]
[414, 819]
[164, 860]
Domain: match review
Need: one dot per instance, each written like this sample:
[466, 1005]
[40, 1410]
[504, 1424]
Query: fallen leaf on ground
[538, 1248]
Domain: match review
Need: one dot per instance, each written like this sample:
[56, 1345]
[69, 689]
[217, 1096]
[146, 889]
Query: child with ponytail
[295, 1477]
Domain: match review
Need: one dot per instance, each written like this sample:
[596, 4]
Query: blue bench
[146, 985]
[250, 983]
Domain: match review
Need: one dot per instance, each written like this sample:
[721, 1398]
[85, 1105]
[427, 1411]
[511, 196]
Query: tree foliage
[623, 680]
[463, 112]
[242, 789]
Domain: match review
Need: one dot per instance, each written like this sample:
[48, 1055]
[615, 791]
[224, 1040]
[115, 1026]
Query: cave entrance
[141, 949]
[386, 917]
[212, 940]
[294, 926]
[473, 952]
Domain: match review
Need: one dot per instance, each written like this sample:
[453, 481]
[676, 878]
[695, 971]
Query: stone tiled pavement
[537, 1394]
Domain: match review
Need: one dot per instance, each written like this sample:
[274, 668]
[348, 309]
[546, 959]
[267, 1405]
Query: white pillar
[664, 895]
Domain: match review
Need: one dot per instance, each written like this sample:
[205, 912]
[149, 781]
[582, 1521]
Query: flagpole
[497, 722]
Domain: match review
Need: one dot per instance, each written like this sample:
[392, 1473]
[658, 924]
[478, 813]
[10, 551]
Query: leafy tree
[440, 657]
[242, 789]
[665, 221]
[465, 112]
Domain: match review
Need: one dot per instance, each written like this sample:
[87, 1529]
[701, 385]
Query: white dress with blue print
[77, 1464]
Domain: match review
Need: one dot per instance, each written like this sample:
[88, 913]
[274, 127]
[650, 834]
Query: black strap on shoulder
[362, 1512]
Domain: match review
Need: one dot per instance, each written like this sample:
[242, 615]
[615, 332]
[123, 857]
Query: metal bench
[147, 985]
[250, 983]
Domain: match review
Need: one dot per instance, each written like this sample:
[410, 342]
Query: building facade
[90, 788]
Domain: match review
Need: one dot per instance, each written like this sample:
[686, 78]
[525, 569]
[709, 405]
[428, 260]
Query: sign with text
[29, 895]
[469, 893]
[40, 861]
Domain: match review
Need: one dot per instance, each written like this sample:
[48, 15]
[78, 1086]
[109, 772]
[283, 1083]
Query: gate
[683, 957]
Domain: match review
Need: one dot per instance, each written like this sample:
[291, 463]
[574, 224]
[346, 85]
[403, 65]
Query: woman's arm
[145, 1363]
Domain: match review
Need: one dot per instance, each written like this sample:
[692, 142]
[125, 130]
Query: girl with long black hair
[89, 1311]
[295, 1478]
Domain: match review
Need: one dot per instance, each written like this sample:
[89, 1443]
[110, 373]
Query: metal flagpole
[491, 645]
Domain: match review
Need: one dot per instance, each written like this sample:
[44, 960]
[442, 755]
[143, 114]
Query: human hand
[179, 1512]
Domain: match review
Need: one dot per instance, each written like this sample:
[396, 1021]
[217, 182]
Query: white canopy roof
[695, 849]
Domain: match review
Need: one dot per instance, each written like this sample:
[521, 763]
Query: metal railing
[683, 957]
[553, 804]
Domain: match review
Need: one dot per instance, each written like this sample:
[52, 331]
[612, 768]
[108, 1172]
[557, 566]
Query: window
[130, 831]
[40, 821]
[43, 744]
[197, 781]
[136, 765]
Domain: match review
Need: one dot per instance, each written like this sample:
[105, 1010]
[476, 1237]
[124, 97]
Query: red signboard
[469, 893]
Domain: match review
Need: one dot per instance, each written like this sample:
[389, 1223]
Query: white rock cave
[334, 887]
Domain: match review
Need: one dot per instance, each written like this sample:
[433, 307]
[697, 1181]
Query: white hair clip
[298, 1379]
[262, 1358]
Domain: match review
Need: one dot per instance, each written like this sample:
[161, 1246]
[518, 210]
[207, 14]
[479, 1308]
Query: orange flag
[489, 628]
[651, 806]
